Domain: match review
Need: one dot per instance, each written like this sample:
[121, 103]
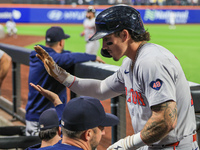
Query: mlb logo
[41, 126]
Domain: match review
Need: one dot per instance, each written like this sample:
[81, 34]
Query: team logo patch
[156, 84]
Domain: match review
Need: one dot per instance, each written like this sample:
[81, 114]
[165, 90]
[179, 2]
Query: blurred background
[105, 2]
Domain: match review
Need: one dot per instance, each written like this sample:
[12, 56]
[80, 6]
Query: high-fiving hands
[52, 68]
[54, 98]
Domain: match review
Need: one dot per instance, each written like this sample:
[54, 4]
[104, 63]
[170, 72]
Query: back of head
[117, 18]
[55, 34]
[49, 124]
[82, 113]
[48, 119]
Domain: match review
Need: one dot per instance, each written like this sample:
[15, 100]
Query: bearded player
[157, 92]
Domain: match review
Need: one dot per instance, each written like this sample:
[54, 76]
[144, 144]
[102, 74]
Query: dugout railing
[95, 70]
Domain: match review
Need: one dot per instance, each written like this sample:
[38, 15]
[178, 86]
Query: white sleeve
[94, 88]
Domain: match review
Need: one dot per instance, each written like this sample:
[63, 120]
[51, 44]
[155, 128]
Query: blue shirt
[60, 146]
[38, 75]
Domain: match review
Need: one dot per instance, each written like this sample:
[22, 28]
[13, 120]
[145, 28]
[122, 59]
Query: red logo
[135, 97]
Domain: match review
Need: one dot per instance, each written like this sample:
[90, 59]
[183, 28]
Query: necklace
[137, 53]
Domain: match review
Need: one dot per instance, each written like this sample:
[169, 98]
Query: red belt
[177, 143]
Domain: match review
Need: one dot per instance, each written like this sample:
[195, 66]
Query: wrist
[133, 141]
[138, 142]
[69, 80]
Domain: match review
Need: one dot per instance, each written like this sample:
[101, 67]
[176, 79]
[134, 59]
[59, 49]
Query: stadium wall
[33, 13]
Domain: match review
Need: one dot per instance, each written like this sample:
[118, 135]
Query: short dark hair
[137, 37]
[48, 134]
[74, 134]
[51, 44]
[71, 134]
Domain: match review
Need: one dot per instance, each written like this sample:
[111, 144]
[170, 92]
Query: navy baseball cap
[48, 119]
[55, 34]
[82, 113]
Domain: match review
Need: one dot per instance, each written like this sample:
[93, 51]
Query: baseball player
[11, 27]
[157, 92]
[89, 30]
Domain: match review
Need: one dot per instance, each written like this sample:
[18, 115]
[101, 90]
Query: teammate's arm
[5, 62]
[87, 87]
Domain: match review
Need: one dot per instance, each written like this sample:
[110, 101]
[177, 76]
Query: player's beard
[94, 143]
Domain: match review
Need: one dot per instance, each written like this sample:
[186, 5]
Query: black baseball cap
[82, 113]
[55, 34]
[48, 119]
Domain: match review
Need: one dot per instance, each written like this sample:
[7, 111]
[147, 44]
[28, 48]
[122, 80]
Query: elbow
[171, 124]
[7, 59]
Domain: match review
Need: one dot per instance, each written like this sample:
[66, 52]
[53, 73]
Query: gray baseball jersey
[156, 77]
[92, 47]
[89, 28]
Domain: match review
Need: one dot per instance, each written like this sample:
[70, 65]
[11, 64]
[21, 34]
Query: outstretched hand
[48, 61]
[51, 67]
[54, 98]
[98, 59]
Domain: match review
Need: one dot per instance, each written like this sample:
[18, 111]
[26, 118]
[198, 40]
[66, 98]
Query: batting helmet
[116, 18]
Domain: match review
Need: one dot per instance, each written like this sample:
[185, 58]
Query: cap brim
[98, 35]
[111, 120]
[67, 36]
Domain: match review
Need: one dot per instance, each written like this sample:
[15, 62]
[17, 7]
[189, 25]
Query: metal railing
[95, 70]
[84, 70]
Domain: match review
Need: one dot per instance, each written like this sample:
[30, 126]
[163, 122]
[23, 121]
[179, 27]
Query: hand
[54, 98]
[82, 34]
[125, 144]
[98, 59]
[52, 68]
[48, 61]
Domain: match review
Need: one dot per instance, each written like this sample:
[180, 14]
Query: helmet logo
[134, 16]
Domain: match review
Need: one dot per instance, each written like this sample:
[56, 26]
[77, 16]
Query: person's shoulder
[59, 146]
[34, 147]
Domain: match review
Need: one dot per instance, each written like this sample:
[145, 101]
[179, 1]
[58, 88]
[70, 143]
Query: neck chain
[137, 52]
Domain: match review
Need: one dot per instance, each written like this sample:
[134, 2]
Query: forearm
[5, 63]
[154, 130]
[93, 87]
[162, 121]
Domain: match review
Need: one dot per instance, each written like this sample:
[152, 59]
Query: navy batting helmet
[116, 18]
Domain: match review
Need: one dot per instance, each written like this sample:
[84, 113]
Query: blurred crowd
[110, 2]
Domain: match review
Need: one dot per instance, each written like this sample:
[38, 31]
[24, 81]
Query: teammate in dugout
[55, 41]
[157, 91]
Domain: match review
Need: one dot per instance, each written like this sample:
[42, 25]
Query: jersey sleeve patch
[156, 85]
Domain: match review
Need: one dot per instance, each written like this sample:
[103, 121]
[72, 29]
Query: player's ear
[124, 34]
[88, 135]
[61, 43]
